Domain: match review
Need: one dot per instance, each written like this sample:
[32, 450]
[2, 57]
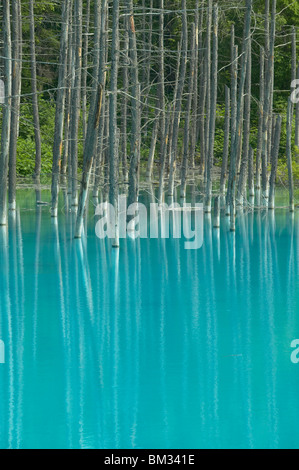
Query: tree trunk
[16, 98]
[60, 103]
[213, 104]
[271, 204]
[289, 154]
[5, 135]
[178, 103]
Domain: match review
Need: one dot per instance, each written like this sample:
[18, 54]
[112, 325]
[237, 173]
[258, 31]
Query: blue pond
[151, 345]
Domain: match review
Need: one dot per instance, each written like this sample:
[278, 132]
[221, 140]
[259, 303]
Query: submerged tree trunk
[223, 177]
[5, 135]
[178, 103]
[135, 125]
[267, 102]
[60, 105]
[271, 204]
[113, 130]
[76, 97]
[16, 98]
[186, 144]
[213, 104]
[238, 134]
[289, 154]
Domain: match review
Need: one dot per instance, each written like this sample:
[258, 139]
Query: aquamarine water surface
[151, 345]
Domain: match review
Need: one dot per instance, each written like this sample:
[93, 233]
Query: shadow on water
[151, 345]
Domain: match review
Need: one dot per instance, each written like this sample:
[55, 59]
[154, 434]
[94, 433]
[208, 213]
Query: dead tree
[268, 100]
[238, 134]
[247, 110]
[186, 144]
[60, 104]
[213, 105]
[289, 154]
[135, 105]
[6, 120]
[271, 203]
[16, 98]
[223, 177]
[178, 102]
[76, 96]
[113, 130]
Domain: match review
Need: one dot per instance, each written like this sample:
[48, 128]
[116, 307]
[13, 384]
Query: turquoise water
[152, 345]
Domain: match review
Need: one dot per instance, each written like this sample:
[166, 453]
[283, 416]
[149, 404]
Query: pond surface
[151, 345]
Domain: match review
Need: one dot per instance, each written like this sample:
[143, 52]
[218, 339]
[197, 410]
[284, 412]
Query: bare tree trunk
[89, 151]
[208, 87]
[271, 204]
[5, 135]
[124, 121]
[102, 79]
[261, 119]
[202, 103]
[76, 97]
[251, 175]
[85, 68]
[178, 103]
[238, 134]
[223, 177]
[289, 154]
[161, 78]
[213, 104]
[135, 142]
[247, 110]
[16, 99]
[113, 131]
[60, 103]
[186, 146]
[234, 102]
[150, 163]
[267, 102]
[193, 135]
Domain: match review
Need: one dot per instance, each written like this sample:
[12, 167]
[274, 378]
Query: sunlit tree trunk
[5, 135]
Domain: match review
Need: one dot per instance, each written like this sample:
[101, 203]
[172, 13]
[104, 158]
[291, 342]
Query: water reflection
[152, 345]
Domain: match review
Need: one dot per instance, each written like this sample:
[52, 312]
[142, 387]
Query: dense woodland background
[161, 33]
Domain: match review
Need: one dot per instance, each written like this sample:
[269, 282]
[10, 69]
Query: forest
[105, 95]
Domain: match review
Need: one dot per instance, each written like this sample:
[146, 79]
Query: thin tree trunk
[238, 133]
[267, 101]
[213, 105]
[60, 103]
[178, 103]
[102, 79]
[223, 177]
[76, 97]
[247, 110]
[208, 88]
[85, 68]
[234, 102]
[16, 98]
[37, 133]
[261, 119]
[289, 154]
[186, 145]
[113, 132]
[135, 142]
[6, 120]
[271, 204]
[89, 151]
